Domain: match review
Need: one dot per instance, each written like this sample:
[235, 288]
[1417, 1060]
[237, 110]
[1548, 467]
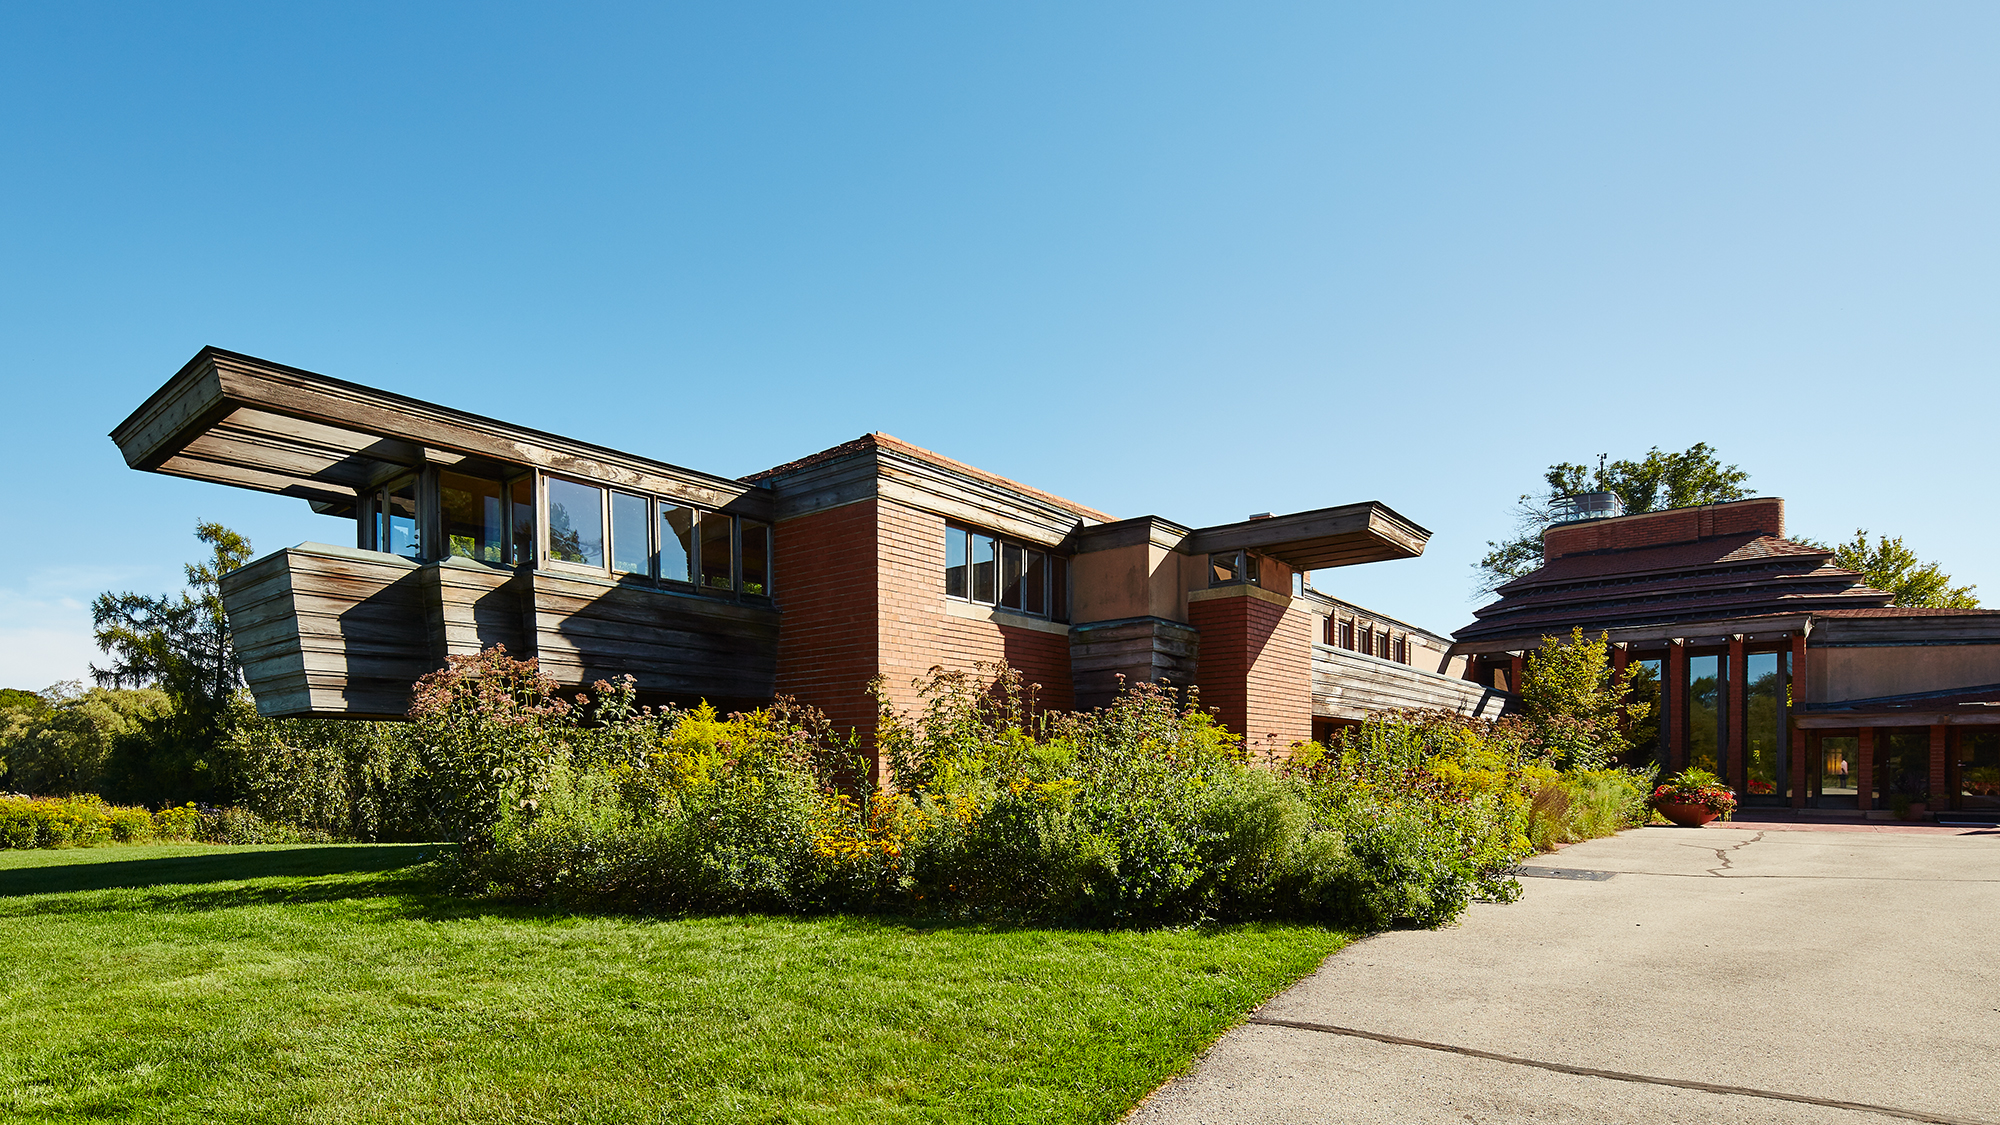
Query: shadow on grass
[220, 867]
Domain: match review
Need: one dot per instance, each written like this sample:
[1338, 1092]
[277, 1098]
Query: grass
[329, 984]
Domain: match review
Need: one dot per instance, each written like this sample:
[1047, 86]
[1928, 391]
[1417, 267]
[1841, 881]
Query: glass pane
[1979, 768]
[677, 544]
[983, 583]
[1642, 685]
[523, 497]
[1035, 583]
[1058, 588]
[718, 563]
[576, 522]
[629, 551]
[756, 559]
[398, 535]
[1225, 568]
[1764, 716]
[1902, 764]
[471, 513]
[1838, 755]
[954, 562]
[1705, 712]
[1013, 558]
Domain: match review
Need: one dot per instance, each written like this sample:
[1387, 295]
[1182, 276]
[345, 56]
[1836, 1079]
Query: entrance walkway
[1725, 974]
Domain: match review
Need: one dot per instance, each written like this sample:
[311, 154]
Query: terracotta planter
[1687, 816]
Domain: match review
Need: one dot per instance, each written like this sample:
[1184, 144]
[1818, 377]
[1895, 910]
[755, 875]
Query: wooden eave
[1322, 538]
[238, 420]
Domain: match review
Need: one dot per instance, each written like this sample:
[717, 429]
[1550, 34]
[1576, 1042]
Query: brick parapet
[1763, 515]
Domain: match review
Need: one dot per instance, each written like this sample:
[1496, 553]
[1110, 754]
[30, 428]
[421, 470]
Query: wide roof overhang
[1324, 537]
[237, 420]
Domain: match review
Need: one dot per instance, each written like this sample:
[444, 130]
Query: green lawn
[327, 984]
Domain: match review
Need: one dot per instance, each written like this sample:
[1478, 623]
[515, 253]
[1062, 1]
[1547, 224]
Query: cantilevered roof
[1324, 537]
[239, 420]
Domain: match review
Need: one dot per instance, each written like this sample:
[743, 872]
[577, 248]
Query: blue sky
[1192, 261]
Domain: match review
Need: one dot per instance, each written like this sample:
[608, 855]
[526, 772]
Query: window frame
[1054, 573]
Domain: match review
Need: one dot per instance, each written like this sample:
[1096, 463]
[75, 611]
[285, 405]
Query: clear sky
[1198, 261]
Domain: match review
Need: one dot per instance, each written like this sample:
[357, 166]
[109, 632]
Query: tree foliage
[1888, 565]
[1655, 482]
[1577, 714]
[62, 747]
[181, 645]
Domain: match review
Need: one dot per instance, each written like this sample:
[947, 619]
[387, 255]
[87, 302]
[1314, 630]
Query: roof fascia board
[1693, 632]
[1369, 522]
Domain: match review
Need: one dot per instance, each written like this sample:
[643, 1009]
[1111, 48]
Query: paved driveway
[1849, 966]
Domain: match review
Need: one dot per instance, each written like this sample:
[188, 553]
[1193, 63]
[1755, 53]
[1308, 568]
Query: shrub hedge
[87, 821]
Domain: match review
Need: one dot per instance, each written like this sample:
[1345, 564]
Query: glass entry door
[1831, 771]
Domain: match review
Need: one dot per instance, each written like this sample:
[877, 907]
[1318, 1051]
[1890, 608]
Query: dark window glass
[1979, 768]
[397, 531]
[522, 496]
[1347, 635]
[718, 561]
[954, 562]
[1902, 764]
[756, 558]
[1764, 690]
[576, 522]
[1705, 694]
[677, 544]
[1013, 560]
[1643, 685]
[473, 517]
[1225, 568]
[984, 580]
[1383, 645]
[630, 553]
[1036, 583]
[1368, 640]
[1058, 588]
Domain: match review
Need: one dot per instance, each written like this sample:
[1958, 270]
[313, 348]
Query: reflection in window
[954, 562]
[576, 522]
[1035, 583]
[396, 531]
[1902, 763]
[1979, 768]
[677, 543]
[1705, 678]
[756, 563]
[717, 558]
[1839, 758]
[1643, 685]
[1013, 560]
[983, 565]
[521, 495]
[1763, 724]
[630, 552]
[472, 517]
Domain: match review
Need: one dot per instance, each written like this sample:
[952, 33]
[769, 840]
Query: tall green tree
[1888, 565]
[1657, 481]
[1574, 707]
[181, 645]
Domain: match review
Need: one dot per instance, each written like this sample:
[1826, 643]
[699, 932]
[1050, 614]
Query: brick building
[1784, 673]
[872, 559]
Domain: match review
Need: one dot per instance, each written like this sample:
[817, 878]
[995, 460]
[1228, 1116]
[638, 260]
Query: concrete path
[1854, 967]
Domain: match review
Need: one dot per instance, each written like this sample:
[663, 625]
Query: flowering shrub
[87, 821]
[1696, 787]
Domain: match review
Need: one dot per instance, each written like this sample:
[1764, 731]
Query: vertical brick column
[1864, 786]
[1795, 684]
[1944, 795]
[1516, 666]
[1256, 665]
[824, 581]
[1676, 717]
[1738, 751]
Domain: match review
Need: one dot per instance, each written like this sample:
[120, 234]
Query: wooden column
[1943, 793]
[1796, 689]
[1676, 662]
[1864, 785]
[1738, 742]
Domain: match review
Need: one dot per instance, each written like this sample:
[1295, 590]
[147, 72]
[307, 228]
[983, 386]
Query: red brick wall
[825, 583]
[1677, 525]
[1255, 668]
[917, 634]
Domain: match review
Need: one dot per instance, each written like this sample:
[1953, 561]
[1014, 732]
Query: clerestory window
[987, 569]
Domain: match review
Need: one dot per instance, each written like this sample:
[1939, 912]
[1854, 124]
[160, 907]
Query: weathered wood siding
[1348, 685]
[1144, 650]
[675, 645]
[325, 630]
[469, 608]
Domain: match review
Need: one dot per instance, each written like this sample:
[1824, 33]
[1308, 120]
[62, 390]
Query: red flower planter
[1687, 816]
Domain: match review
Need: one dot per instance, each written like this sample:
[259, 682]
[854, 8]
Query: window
[999, 572]
[1368, 639]
[1402, 650]
[1230, 567]
[718, 558]
[396, 520]
[472, 518]
[1347, 635]
[521, 494]
[576, 522]
[677, 543]
[1382, 645]
[756, 557]
[631, 553]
